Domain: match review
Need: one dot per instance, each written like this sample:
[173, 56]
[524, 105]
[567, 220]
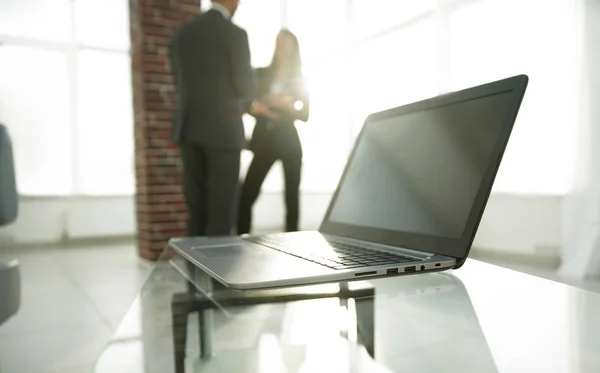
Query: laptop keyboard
[331, 253]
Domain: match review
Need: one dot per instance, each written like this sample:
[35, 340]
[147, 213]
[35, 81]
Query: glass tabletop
[480, 318]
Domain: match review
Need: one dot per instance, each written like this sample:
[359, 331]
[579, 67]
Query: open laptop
[409, 201]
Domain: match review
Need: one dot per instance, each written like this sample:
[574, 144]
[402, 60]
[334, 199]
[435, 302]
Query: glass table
[480, 318]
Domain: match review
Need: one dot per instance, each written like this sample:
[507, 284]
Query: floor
[74, 298]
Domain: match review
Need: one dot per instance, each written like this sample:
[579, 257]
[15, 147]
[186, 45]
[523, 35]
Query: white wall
[521, 224]
[515, 224]
[50, 220]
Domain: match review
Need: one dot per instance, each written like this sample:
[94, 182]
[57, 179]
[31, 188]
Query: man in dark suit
[210, 59]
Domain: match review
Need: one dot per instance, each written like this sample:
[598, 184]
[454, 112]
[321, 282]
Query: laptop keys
[336, 255]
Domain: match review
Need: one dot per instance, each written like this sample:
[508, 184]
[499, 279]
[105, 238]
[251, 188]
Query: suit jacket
[280, 137]
[210, 60]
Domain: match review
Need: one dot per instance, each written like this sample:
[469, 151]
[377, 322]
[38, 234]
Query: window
[105, 142]
[325, 137]
[360, 56]
[374, 16]
[262, 21]
[66, 95]
[35, 106]
[36, 19]
[396, 68]
[482, 49]
[91, 18]
[322, 27]
[391, 52]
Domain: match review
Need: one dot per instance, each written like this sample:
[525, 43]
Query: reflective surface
[426, 166]
[480, 318]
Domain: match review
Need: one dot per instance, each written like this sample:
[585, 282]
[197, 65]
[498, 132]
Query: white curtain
[581, 214]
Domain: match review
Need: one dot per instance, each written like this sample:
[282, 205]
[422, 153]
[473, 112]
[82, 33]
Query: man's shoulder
[219, 27]
[217, 20]
[238, 31]
[185, 27]
[238, 28]
[210, 17]
[262, 71]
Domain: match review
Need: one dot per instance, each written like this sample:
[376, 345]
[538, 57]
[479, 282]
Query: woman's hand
[284, 102]
[259, 109]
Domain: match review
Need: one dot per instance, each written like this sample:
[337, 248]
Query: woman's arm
[302, 105]
[297, 107]
[258, 109]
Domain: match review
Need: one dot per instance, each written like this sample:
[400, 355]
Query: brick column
[160, 204]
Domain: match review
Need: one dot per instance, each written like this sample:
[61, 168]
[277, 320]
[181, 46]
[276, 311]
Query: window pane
[103, 24]
[326, 136]
[262, 20]
[395, 69]
[105, 123]
[483, 49]
[39, 19]
[322, 27]
[34, 105]
[373, 16]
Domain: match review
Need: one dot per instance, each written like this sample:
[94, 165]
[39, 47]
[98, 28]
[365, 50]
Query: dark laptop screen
[420, 172]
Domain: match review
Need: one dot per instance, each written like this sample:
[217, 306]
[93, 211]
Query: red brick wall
[160, 204]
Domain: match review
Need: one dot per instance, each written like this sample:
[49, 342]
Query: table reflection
[479, 319]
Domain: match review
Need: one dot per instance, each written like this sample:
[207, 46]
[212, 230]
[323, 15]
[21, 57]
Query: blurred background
[66, 97]
[68, 76]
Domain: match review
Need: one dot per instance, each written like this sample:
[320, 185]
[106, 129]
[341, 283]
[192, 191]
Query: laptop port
[422, 268]
[392, 271]
[365, 273]
[410, 269]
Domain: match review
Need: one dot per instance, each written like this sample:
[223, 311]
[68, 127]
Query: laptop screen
[420, 172]
[425, 171]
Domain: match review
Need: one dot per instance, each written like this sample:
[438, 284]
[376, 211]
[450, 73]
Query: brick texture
[160, 204]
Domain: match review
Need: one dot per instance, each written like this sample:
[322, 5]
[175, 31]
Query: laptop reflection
[423, 324]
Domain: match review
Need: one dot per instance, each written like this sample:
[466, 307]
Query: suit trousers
[211, 183]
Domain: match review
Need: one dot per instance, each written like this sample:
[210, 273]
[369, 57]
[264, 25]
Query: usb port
[410, 269]
[392, 271]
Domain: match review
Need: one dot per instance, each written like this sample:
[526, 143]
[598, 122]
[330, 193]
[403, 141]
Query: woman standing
[281, 88]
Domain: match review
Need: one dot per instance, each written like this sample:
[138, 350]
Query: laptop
[409, 200]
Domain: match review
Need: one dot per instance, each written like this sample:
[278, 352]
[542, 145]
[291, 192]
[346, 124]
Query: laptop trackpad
[219, 251]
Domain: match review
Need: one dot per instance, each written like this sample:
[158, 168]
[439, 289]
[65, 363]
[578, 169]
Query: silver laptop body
[409, 201]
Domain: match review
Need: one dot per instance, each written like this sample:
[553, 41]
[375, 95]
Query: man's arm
[245, 79]
[242, 74]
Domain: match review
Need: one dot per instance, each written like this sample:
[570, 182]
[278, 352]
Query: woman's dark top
[280, 137]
